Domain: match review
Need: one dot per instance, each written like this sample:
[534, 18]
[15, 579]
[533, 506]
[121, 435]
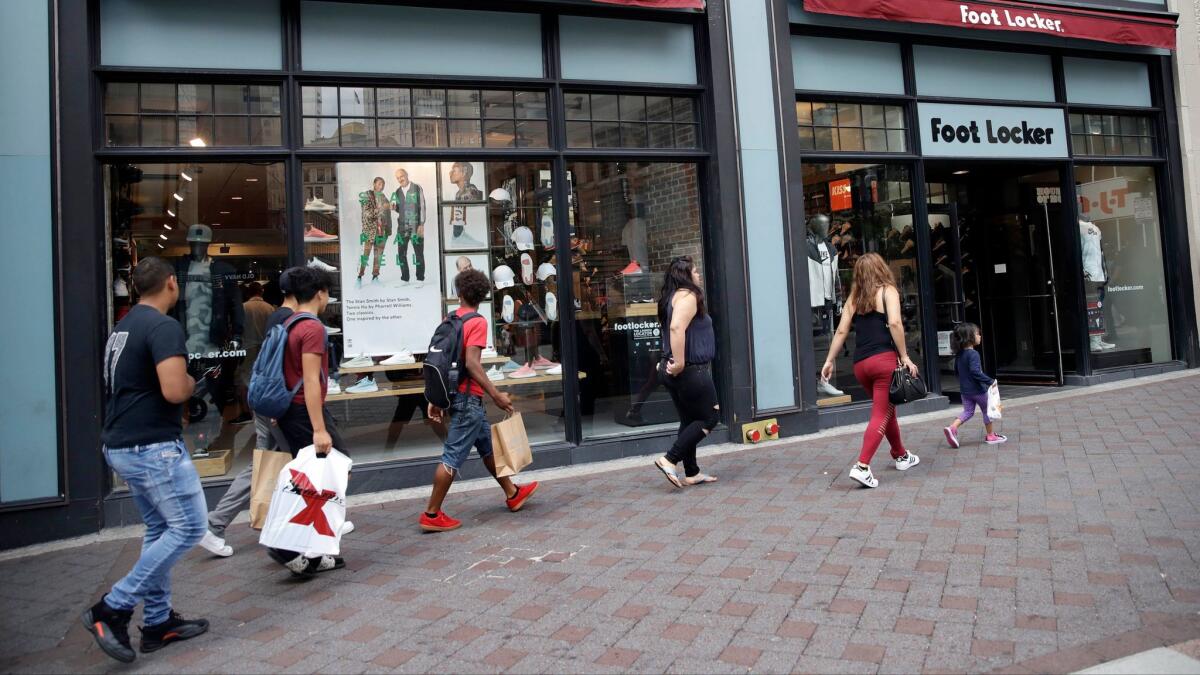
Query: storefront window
[191, 115]
[1112, 135]
[222, 226]
[424, 118]
[630, 121]
[1122, 265]
[629, 220]
[395, 234]
[851, 127]
[854, 209]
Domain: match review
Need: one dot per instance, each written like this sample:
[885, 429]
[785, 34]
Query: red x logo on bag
[314, 504]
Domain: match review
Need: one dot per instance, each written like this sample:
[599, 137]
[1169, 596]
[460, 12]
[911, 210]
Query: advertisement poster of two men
[397, 219]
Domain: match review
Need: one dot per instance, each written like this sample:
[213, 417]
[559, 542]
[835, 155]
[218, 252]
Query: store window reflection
[629, 219]
[222, 226]
[1122, 265]
[394, 235]
[854, 209]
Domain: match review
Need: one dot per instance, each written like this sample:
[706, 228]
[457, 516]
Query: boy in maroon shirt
[468, 415]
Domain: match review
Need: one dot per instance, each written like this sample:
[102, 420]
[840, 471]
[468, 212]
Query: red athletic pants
[875, 375]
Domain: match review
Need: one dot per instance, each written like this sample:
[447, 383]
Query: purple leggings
[969, 403]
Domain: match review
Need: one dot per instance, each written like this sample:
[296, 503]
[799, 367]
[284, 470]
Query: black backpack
[444, 361]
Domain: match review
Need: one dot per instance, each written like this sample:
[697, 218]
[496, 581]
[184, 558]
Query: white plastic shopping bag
[995, 408]
[308, 506]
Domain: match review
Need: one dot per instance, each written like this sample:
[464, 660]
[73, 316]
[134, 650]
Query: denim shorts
[469, 428]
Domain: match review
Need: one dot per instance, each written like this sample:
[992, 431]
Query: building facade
[1028, 179]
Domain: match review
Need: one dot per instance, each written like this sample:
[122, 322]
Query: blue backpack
[269, 395]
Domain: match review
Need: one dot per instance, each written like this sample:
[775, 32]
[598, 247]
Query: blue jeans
[468, 428]
[166, 488]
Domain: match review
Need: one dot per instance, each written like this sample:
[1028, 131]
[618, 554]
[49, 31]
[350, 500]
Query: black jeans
[695, 399]
[293, 432]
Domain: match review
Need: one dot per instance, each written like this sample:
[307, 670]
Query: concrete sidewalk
[1073, 545]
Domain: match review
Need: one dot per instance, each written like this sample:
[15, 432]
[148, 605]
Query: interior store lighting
[163, 237]
[236, 199]
[170, 213]
[251, 180]
[177, 197]
[197, 143]
[161, 246]
[167, 226]
[184, 175]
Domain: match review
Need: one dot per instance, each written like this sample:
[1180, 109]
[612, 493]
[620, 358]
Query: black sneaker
[110, 627]
[174, 629]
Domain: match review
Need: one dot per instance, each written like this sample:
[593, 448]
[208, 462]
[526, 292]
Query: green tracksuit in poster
[375, 221]
[409, 204]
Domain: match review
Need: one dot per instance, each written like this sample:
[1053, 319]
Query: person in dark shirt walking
[973, 383]
[145, 376]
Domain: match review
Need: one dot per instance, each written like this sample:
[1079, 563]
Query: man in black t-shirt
[145, 376]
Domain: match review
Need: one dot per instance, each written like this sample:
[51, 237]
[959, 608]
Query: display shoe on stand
[360, 361]
[556, 369]
[334, 387]
[400, 358]
[494, 374]
[551, 306]
[318, 205]
[489, 353]
[1106, 345]
[321, 265]
[366, 385]
[523, 373]
[314, 236]
[632, 268]
[826, 387]
[511, 367]
[331, 330]
[542, 363]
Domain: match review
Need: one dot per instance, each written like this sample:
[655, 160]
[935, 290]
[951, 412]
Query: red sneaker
[524, 492]
[632, 268]
[440, 523]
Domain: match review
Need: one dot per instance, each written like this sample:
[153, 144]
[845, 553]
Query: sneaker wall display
[426, 222]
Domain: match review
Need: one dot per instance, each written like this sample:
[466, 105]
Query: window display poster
[464, 200]
[391, 297]
[459, 262]
[485, 310]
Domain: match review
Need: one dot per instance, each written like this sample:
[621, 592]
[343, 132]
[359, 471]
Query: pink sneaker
[632, 268]
[312, 234]
[995, 439]
[523, 373]
[542, 363]
[951, 436]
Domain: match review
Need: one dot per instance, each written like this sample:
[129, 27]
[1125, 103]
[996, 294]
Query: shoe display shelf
[408, 389]
[830, 401]
[639, 309]
[410, 366]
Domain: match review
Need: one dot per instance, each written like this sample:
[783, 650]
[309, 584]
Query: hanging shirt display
[1093, 255]
[822, 272]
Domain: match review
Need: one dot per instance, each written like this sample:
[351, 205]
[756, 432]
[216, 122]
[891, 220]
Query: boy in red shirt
[468, 415]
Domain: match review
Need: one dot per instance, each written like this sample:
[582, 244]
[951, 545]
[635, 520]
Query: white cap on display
[523, 238]
[200, 232]
[503, 277]
[546, 270]
[500, 195]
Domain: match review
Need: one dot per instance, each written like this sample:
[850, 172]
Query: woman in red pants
[873, 310]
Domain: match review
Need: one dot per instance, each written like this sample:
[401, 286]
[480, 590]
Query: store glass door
[993, 233]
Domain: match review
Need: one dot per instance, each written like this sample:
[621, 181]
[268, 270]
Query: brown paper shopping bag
[267, 465]
[510, 446]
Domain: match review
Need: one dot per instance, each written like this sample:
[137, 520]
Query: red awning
[1012, 15]
[658, 4]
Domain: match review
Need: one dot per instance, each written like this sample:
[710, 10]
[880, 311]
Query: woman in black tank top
[688, 346]
[873, 311]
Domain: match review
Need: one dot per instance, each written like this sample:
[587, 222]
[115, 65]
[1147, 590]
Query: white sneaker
[507, 309]
[420, 284]
[494, 374]
[1107, 345]
[465, 240]
[366, 385]
[554, 370]
[907, 462]
[360, 361]
[333, 388]
[826, 387]
[864, 476]
[400, 358]
[215, 545]
[489, 353]
[347, 527]
[318, 205]
[332, 331]
[321, 265]
[333, 301]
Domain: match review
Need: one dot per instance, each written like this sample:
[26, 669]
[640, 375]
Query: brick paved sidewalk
[1074, 544]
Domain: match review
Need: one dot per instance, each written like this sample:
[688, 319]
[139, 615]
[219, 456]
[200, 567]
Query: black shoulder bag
[905, 387]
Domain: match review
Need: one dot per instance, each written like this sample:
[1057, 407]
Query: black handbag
[905, 387]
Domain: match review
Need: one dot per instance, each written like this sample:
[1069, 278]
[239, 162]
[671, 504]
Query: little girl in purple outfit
[972, 382]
